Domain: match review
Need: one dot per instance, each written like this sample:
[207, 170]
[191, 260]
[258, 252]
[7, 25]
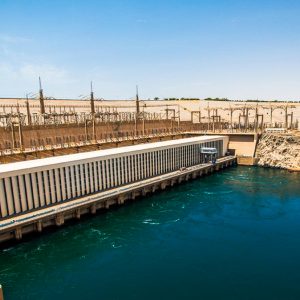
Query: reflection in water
[232, 235]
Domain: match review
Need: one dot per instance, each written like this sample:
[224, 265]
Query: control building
[36, 184]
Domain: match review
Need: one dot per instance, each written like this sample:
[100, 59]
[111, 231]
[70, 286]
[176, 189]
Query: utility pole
[93, 111]
[137, 101]
[137, 110]
[92, 99]
[42, 104]
[28, 111]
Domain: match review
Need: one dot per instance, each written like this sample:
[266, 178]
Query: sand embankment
[279, 151]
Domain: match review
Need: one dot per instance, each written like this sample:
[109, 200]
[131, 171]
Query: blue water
[231, 235]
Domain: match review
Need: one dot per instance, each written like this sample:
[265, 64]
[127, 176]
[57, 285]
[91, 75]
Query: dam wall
[36, 222]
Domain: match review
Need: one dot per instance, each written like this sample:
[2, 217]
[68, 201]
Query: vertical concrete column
[82, 179]
[73, 182]
[115, 181]
[150, 164]
[187, 154]
[22, 193]
[173, 159]
[132, 171]
[57, 185]
[138, 157]
[9, 197]
[103, 174]
[92, 176]
[135, 168]
[126, 171]
[68, 182]
[52, 185]
[47, 188]
[3, 206]
[159, 162]
[28, 191]
[87, 178]
[111, 177]
[16, 195]
[41, 188]
[122, 170]
[164, 160]
[78, 179]
[108, 175]
[119, 160]
[146, 163]
[100, 176]
[96, 185]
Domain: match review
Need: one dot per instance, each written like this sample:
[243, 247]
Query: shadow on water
[232, 235]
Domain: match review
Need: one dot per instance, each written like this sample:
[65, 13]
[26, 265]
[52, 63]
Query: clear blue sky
[240, 49]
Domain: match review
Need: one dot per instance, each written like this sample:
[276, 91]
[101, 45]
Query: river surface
[231, 235]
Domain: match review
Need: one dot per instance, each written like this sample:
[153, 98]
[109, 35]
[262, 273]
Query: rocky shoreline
[279, 151]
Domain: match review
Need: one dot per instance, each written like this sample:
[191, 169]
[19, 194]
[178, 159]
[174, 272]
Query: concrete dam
[46, 192]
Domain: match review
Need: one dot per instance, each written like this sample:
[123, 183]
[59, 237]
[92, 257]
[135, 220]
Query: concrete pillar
[68, 182]
[100, 176]
[95, 179]
[28, 189]
[41, 188]
[39, 226]
[52, 186]
[93, 209]
[77, 179]
[3, 206]
[16, 198]
[47, 188]
[59, 220]
[18, 233]
[163, 185]
[87, 178]
[119, 162]
[9, 196]
[57, 185]
[125, 171]
[77, 213]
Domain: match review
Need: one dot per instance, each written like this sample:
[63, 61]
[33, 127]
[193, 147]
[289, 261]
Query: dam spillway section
[46, 192]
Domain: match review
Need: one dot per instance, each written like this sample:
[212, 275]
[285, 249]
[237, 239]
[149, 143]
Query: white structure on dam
[36, 184]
